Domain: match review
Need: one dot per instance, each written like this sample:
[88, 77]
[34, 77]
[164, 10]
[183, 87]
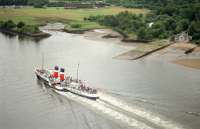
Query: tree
[109, 21]
[194, 30]
[169, 23]
[141, 35]
[157, 29]
[39, 3]
[13, 2]
[9, 25]
[20, 24]
[169, 10]
[182, 25]
[1, 24]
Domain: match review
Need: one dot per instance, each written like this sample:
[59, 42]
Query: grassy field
[35, 16]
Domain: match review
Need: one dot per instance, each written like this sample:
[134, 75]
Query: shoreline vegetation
[79, 21]
[167, 50]
[22, 29]
[34, 35]
[74, 19]
[136, 20]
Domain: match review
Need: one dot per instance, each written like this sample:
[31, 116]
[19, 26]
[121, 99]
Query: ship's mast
[77, 72]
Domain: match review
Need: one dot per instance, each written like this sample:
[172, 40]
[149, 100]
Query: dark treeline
[126, 3]
[20, 27]
[149, 3]
[166, 20]
[41, 3]
[36, 3]
[13, 2]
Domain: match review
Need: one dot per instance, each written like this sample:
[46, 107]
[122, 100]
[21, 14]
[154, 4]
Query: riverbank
[190, 56]
[34, 35]
[144, 49]
[185, 54]
[177, 53]
[164, 49]
[137, 49]
[192, 63]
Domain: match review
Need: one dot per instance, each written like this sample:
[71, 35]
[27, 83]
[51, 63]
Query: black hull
[47, 83]
[41, 79]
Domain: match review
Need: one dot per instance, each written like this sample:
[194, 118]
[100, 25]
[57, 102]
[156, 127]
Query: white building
[183, 37]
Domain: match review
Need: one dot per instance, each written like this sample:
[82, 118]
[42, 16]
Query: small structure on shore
[74, 5]
[183, 37]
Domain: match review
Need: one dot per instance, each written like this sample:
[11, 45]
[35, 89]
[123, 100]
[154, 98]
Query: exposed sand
[174, 53]
[183, 46]
[129, 55]
[53, 26]
[144, 49]
[192, 63]
[108, 36]
[97, 34]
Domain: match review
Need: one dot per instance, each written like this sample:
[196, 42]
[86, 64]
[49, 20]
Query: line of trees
[14, 2]
[35, 3]
[19, 27]
[41, 3]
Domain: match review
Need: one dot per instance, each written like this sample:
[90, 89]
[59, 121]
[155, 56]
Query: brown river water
[143, 94]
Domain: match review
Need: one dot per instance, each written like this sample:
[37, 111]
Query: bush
[1, 24]
[20, 24]
[9, 25]
[76, 25]
[55, 4]
[30, 29]
[182, 25]
[40, 3]
[141, 34]
[93, 18]
[194, 30]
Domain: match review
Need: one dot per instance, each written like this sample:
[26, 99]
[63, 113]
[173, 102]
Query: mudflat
[192, 63]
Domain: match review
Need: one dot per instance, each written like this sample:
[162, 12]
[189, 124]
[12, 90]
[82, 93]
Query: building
[77, 5]
[71, 5]
[183, 37]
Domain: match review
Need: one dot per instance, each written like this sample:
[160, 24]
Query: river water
[148, 93]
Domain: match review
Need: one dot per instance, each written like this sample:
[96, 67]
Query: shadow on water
[28, 38]
[42, 86]
[23, 37]
[9, 35]
[47, 90]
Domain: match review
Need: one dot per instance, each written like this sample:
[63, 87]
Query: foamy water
[149, 116]
[105, 103]
[100, 106]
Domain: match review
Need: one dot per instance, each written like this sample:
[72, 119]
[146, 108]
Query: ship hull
[41, 78]
[79, 93]
[47, 82]
[62, 87]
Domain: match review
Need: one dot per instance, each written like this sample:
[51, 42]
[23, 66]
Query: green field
[40, 16]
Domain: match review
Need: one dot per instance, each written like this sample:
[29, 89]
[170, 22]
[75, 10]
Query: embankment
[35, 35]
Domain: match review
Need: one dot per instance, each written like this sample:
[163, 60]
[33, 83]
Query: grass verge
[41, 16]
